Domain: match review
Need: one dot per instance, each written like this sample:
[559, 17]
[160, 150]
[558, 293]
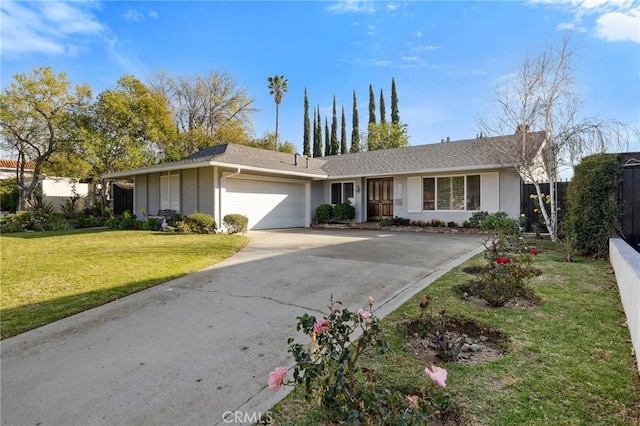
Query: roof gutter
[233, 174]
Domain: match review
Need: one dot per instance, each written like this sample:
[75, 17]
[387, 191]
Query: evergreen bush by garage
[198, 223]
[344, 211]
[324, 213]
[235, 223]
[593, 212]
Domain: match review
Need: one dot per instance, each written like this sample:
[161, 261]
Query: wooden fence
[629, 197]
[528, 205]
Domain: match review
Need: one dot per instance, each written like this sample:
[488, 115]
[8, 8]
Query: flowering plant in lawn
[330, 371]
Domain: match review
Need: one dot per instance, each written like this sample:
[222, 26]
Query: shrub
[9, 194]
[150, 224]
[332, 377]
[324, 213]
[593, 213]
[235, 223]
[452, 224]
[198, 223]
[124, 221]
[437, 223]
[477, 218]
[39, 219]
[88, 221]
[344, 211]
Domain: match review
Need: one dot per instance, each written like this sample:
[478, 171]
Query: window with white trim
[170, 192]
[451, 193]
[342, 192]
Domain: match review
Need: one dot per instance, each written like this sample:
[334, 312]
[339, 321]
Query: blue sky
[447, 58]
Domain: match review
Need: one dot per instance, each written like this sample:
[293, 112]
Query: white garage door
[266, 204]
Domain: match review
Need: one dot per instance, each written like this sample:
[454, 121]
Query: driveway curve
[197, 350]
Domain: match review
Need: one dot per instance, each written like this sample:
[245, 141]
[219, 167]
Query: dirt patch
[476, 343]
[518, 302]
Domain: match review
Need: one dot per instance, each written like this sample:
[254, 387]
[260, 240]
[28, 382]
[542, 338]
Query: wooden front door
[379, 199]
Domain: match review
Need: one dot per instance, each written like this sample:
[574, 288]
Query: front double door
[379, 199]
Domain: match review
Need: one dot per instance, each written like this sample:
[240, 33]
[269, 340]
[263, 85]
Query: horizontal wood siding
[153, 194]
[189, 194]
[140, 191]
[205, 190]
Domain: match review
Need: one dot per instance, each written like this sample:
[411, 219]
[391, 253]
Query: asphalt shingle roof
[467, 154]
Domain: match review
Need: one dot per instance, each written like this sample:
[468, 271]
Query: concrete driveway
[198, 349]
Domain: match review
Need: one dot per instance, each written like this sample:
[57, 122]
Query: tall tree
[206, 109]
[372, 106]
[306, 143]
[355, 131]
[315, 134]
[395, 113]
[387, 135]
[327, 140]
[383, 109]
[372, 116]
[277, 88]
[124, 129]
[540, 105]
[317, 147]
[36, 120]
[335, 146]
[268, 140]
[343, 136]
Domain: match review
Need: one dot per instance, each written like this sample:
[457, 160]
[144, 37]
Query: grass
[569, 360]
[47, 276]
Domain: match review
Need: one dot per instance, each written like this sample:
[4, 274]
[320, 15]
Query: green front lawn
[46, 276]
[569, 360]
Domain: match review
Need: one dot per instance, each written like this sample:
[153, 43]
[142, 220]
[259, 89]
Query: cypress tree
[335, 147]
[395, 114]
[327, 140]
[343, 138]
[383, 109]
[355, 132]
[372, 106]
[306, 144]
[315, 135]
[318, 144]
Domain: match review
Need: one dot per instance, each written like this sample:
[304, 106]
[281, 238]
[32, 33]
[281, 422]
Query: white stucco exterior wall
[626, 264]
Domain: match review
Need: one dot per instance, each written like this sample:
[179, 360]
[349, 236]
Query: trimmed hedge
[197, 223]
[324, 213]
[235, 223]
[344, 211]
[593, 214]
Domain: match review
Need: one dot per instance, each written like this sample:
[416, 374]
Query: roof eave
[424, 171]
[168, 167]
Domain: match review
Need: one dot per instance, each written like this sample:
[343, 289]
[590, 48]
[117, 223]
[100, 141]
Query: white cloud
[614, 20]
[352, 6]
[45, 27]
[615, 26]
[418, 34]
[425, 48]
[153, 14]
[133, 15]
[570, 26]
[371, 30]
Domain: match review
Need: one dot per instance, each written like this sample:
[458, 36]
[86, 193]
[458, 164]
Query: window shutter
[414, 195]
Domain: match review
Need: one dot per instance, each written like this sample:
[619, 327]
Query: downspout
[220, 202]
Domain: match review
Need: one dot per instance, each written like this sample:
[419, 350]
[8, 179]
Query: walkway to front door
[379, 199]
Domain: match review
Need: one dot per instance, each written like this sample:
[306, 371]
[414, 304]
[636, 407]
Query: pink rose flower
[364, 315]
[321, 326]
[276, 378]
[412, 401]
[371, 300]
[438, 375]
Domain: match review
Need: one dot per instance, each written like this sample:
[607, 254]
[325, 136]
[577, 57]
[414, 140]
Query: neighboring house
[448, 181]
[8, 169]
[59, 190]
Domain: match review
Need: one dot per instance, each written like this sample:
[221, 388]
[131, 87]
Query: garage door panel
[266, 204]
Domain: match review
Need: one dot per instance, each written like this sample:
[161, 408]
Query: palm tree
[277, 88]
